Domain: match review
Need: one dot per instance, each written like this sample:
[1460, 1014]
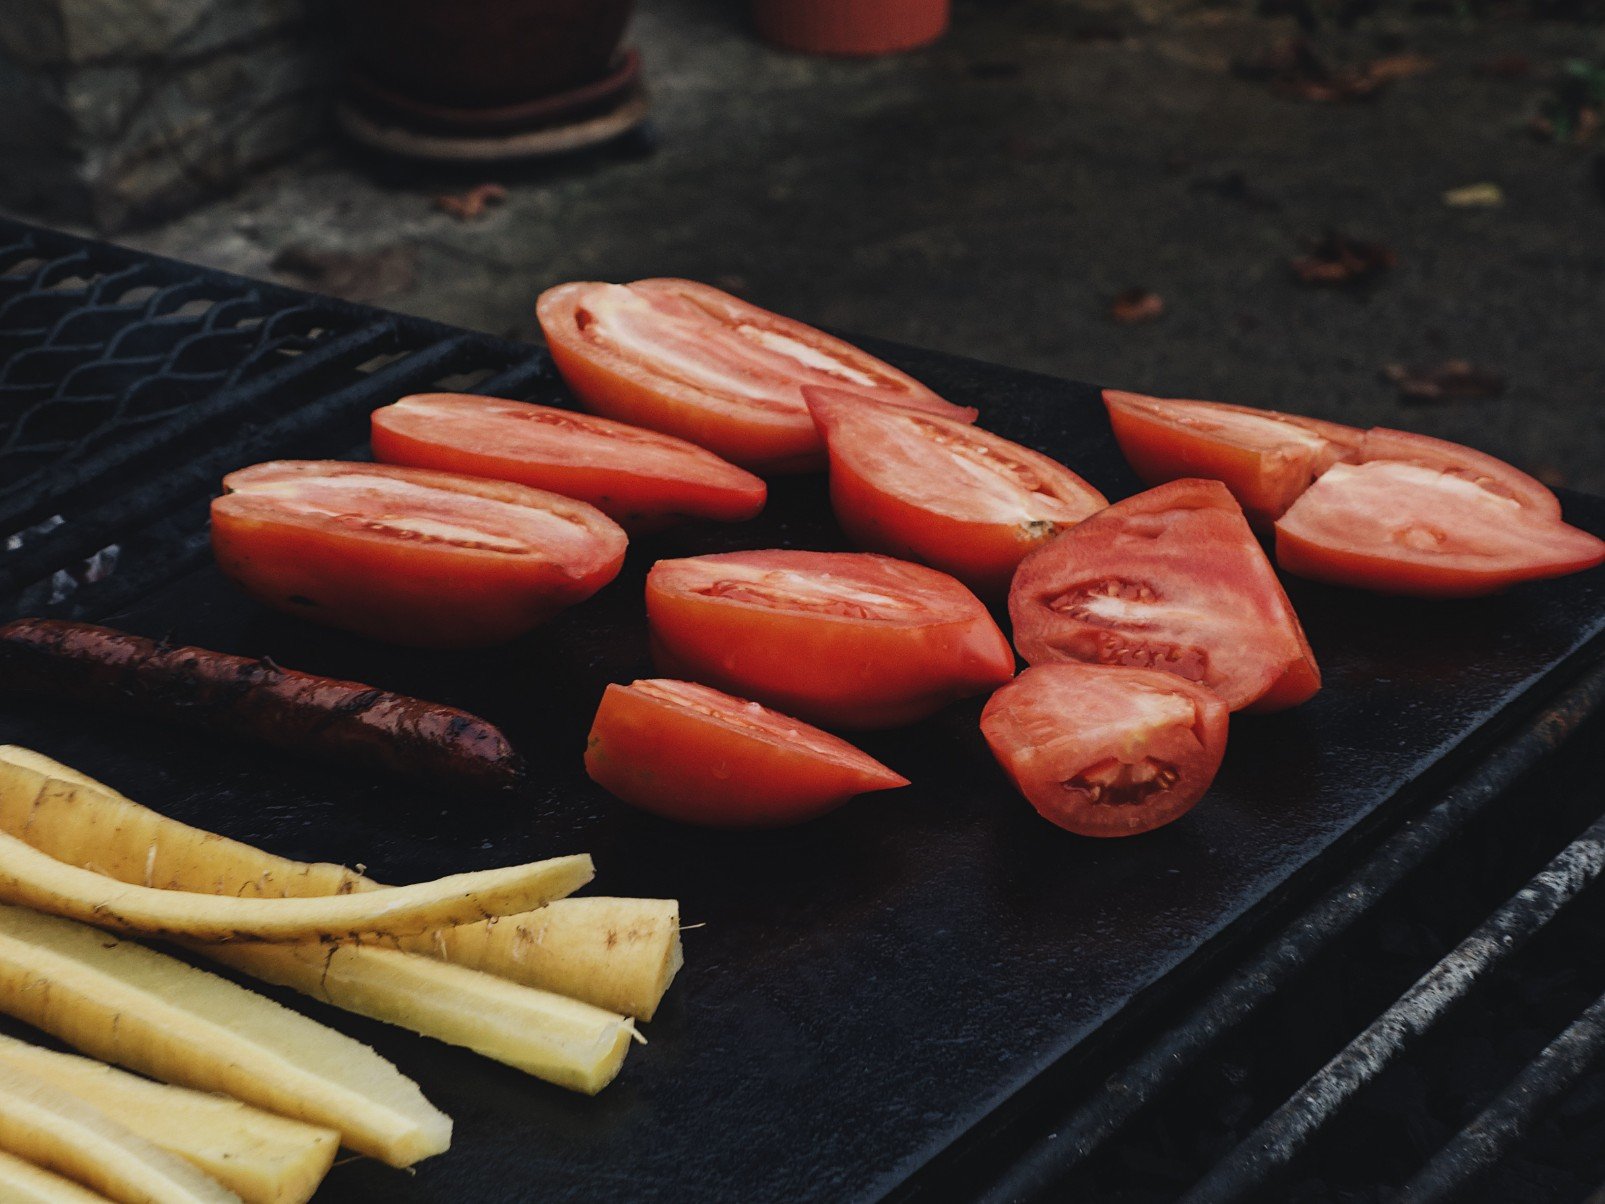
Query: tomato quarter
[1170, 579]
[845, 639]
[695, 754]
[1453, 459]
[1106, 751]
[424, 558]
[639, 478]
[1265, 458]
[689, 360]
[941, 492]
[1408, 528]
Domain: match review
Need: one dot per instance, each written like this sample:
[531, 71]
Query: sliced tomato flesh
[941, 492]
[692, 361]
[1106, 751]
[1171, 579]
[409, 555]
[1488, 473]
[1409, 528]
[694, 754]
[1264, 457]
[844, 639]
[641, 479]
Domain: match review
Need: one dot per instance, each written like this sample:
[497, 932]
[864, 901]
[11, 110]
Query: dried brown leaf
[1336, 260]
[1136, 305]
[1452, 380]
[1296, 69]
[467, 206]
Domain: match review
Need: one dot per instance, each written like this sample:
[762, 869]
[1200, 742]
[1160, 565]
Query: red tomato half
[846, 639]
[1265, 458]
[689, 360]
[1407, 528]
[429, 559]
[1105, 751]
[687, 752]
[1170, 579]
[1486, 472]
[949, 495]
[638, 478]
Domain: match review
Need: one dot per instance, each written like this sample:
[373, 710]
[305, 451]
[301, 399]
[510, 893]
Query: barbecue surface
[870, 990]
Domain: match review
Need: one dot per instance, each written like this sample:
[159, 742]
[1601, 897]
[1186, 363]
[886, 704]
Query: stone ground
[990, 196]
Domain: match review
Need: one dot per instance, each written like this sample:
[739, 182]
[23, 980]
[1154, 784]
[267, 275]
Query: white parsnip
[262, 1157]
[561, 1040]
[52, 1129]
[618, 954]
[120, 1002]
[21, 1182]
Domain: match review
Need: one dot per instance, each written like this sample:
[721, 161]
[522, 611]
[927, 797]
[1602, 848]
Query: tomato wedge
[640, 479]
[1402, 527]
[846, 639]
[1265, 458]
[1106, 751]
[1170, 579]
[689, 360]
[941, 492]
[1454, 459]
[698, 755]
[429, 559]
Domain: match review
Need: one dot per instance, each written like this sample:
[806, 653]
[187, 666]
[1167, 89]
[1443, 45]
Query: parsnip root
[262, 1157]
[123, 1003]
[54, 1130]
[21, 1182]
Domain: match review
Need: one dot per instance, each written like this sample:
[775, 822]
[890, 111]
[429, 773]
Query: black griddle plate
[870, 990]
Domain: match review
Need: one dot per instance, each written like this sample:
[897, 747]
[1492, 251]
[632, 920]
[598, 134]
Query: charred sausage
[343, 721]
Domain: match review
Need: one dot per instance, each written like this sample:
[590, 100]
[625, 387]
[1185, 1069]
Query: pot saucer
[386, 121]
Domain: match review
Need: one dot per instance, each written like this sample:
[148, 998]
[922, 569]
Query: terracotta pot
[850, 27]
[482, 53]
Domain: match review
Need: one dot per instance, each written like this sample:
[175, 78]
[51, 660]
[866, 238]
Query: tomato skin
[977, 524]
[835, 669]
[690, 753]
[719, 340]
[642, 480]
[1264, 457]
[1087, 745]
[1168, 579]
[339, 567]
[1407, 527]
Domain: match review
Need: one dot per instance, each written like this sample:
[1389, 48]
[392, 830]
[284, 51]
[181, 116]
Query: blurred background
[1378, 211]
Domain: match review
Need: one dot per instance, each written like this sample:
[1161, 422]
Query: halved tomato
[429, 559]
[641, 479]
[1455, 459]
[1106, 751]
[689, 360]
[1170, 579]
[949, 495]
[1265, 458]
[1402, 527]
[687, 752]
[845, 639]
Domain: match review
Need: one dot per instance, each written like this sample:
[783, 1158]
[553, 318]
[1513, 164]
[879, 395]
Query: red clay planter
[850, 27]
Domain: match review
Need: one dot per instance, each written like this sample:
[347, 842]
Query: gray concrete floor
[990, 195]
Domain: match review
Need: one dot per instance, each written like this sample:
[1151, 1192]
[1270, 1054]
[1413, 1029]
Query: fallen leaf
[1136, 305]
[1296, 69]
[1575, 104]
[353, 275]
[1475, 196]
[1452, 380]
[467, 206]
[1336, 260]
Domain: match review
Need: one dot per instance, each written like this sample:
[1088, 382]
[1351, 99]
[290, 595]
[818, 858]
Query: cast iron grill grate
[1306, 1069]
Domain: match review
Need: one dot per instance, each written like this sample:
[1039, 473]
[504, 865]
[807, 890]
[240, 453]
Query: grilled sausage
[343, 721]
